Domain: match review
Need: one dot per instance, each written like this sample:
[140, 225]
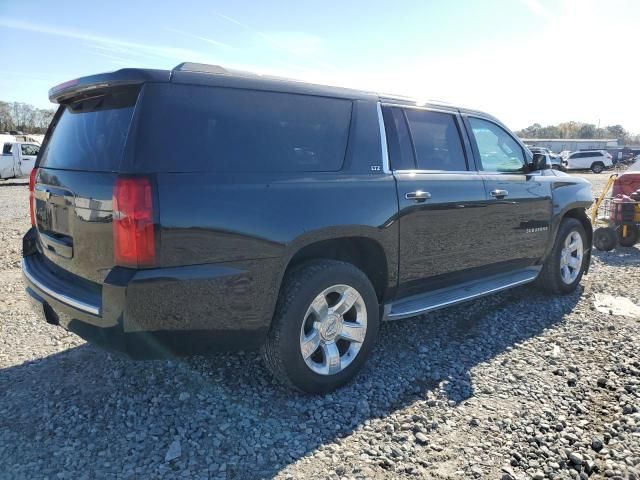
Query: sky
[524, 61]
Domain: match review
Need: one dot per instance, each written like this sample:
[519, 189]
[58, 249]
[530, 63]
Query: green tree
[616, 131]
[587, 130]
[24, 117]
[574, 129]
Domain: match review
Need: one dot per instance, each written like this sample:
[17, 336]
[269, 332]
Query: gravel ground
[517, 385]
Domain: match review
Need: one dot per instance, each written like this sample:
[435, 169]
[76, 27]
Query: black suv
[201, 208]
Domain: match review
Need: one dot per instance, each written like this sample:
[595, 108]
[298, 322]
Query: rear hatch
[78, 167]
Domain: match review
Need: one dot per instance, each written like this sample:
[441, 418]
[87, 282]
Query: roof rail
[219, 70]
[194, 67]
[418, 101]
[200, 68]
[212, 69]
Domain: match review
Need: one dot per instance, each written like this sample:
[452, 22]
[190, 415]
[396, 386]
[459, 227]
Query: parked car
[554, 160]
[301, 218]
[595, 160]
[18, 159]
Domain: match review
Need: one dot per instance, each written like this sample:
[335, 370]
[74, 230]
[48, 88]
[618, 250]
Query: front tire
[325, 325]
[565, 265]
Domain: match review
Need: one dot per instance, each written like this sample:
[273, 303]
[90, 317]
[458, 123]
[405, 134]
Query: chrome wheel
[333, 330]
[571, 258]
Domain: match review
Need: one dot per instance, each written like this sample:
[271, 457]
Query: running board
[426, 302]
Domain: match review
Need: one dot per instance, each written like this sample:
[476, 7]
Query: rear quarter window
[185, 128]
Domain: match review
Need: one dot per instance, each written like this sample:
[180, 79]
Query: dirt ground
[516, 385]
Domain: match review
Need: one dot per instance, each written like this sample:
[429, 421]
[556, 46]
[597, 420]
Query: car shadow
[231, 419]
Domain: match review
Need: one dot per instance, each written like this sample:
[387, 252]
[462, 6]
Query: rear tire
[565, 265]
[630, 239]
[597, 167]
[308, 346]
[605, 239]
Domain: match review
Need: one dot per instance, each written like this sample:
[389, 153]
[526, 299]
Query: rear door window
[90, 134]
[436, 141]
[193, 128]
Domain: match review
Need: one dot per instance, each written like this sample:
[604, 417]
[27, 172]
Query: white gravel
[517, 385]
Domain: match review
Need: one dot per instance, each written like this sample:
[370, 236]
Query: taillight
[32, 186]
[133, 227]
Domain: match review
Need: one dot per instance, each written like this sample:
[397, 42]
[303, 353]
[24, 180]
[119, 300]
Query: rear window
[90, 134]
[193, 128]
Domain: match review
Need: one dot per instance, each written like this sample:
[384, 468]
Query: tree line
[579, 130]
[25, 118]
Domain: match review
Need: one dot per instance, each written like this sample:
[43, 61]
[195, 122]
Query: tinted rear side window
[90, 134]
[192, 128]
[436, 140]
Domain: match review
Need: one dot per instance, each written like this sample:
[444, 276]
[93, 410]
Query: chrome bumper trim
[72, 302]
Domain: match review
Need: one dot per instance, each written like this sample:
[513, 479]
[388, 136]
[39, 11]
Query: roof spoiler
[126, 76]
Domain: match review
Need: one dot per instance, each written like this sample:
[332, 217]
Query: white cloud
[298, 44]
[115, 45]
[538, 8]
[208, 40]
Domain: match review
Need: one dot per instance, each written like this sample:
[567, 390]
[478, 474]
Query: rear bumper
[157, 313]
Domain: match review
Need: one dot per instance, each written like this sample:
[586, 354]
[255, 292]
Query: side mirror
[540, 162]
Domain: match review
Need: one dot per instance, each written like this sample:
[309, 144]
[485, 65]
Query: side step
[444, 297]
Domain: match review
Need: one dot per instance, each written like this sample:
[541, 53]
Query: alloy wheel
[571, 258]
[333, 330]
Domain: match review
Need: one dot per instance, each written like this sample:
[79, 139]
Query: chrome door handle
[499, 193]
[418, 196]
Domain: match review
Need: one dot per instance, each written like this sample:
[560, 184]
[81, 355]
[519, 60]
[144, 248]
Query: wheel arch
[578, 212]
[363, 252]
